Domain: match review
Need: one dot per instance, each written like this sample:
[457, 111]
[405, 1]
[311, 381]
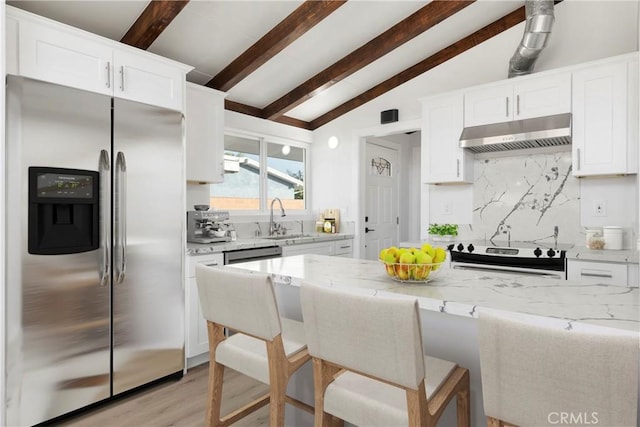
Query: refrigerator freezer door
[58, 311]
[148, 297]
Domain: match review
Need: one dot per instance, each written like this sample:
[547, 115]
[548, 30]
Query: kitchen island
[450, 303]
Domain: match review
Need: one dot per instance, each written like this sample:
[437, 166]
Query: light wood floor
[177, 403]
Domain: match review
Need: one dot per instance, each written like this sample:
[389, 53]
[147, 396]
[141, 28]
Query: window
[245, 188]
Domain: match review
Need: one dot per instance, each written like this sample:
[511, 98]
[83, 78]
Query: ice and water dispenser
[64, 211]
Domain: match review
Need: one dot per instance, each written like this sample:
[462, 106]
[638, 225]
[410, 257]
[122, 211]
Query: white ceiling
[209, 35]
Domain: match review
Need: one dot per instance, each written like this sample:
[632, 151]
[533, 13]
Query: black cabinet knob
[537, 252]
[470, 248]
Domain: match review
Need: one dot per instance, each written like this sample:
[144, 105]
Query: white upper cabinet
[57, 53]
[443, 161]
[523, 98]
[205, 134]
[605, 114]
[145, 79]
[55, 56]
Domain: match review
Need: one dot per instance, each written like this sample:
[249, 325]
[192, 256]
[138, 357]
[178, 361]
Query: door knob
[366, 229]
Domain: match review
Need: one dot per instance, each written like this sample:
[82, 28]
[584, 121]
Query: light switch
[599, 208]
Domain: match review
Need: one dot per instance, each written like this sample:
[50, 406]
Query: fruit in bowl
[412, 264]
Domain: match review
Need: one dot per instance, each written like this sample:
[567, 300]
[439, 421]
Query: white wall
[583, 31]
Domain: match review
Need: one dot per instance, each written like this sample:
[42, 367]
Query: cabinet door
[442, 158]
[488, 105]
[344, 248]
[600, 120]
[197, 337]
[322, 248]
[60, 57]
[544, 96]
[205, 134]
[144, 79]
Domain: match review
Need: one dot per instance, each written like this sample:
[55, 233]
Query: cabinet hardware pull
[507, 107]
[108, 68]
[457, 168]
[122, 78]
[608, 276]
[518, 104]
[578, 159]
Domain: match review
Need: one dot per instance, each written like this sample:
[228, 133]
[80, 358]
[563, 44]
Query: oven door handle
[501, 269]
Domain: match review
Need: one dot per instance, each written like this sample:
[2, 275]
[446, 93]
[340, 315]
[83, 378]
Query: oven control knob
[470, 248]
[551, 253]
[450, 247]
[537, 252]
[460, 247]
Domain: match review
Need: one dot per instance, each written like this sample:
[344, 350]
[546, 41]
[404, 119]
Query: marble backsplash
[531, 198]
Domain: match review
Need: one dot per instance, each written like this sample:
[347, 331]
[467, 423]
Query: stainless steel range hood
[548, 131]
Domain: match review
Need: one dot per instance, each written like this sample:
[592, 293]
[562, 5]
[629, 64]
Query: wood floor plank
[177, 403]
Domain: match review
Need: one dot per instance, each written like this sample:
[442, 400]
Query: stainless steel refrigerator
[95, 200]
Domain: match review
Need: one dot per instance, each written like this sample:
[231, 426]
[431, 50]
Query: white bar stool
[535, 373]
[368, 363]
[266, 347]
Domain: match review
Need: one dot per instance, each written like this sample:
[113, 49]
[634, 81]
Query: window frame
[265, 139]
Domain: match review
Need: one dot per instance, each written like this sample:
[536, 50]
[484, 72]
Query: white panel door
[381, 215]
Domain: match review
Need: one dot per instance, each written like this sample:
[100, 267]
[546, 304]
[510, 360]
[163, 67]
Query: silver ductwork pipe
[539, 15]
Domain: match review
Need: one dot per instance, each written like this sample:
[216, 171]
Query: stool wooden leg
[278, 379]
[494, 422]
[216, 375]
[323, 375]
[462, 403]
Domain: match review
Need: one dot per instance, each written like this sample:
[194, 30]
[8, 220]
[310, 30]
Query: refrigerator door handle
[121, 216]
[104, 169]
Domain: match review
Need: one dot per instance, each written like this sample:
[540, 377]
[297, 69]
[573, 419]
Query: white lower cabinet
[344, 248]
[609, 273]
[197, 338]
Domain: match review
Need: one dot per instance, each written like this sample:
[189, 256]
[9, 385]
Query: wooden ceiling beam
[425, 65]
[257, 112]
[417, 23]
[152, 21]
[301, 20]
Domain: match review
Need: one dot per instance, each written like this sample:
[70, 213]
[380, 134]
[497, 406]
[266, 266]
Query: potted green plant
[443, 232]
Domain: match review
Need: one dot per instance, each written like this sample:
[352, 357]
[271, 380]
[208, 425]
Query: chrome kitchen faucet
[273, 227]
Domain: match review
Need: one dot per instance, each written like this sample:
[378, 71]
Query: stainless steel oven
[521, 258]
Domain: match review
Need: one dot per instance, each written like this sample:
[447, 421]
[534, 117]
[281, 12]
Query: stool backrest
[374, 335]
[535, 374]
[239, 300]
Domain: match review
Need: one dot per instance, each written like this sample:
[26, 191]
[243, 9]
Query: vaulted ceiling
[303, 63]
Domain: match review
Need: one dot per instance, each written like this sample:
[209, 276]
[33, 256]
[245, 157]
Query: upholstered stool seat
[368, 362]
[248, 355]
[264, 346]
[366, 402]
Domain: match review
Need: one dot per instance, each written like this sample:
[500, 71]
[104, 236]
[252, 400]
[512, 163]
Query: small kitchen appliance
[204, 226]
[514, 257]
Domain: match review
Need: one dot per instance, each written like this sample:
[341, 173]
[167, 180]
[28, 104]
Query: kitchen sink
[288, 236]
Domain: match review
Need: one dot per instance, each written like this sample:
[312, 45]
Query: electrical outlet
[446, 208]
[599, 208]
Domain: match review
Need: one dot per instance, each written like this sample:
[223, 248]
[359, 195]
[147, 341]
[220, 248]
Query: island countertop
[463, 293]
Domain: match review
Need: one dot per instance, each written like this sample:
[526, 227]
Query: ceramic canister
[613, 237]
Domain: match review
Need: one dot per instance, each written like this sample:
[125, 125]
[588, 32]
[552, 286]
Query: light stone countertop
[574, 304]
[583, 253]
[212, 248]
